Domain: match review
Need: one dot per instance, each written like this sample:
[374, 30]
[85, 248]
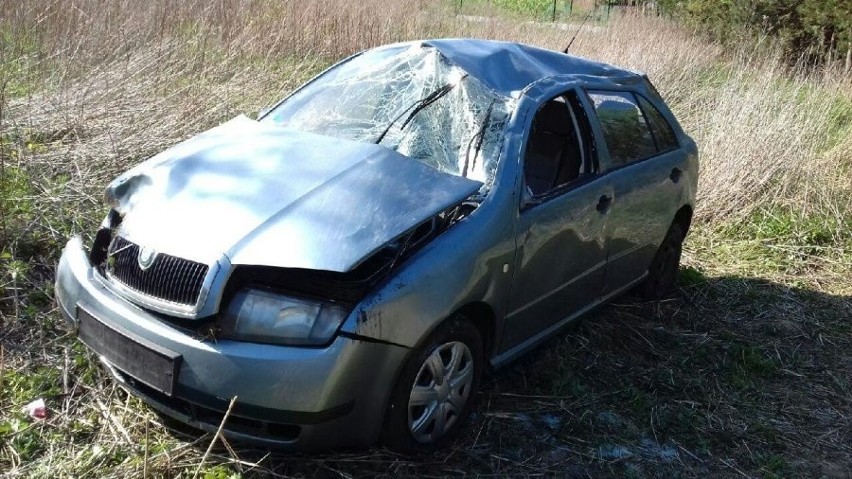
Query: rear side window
[628, 136]
[663, 133]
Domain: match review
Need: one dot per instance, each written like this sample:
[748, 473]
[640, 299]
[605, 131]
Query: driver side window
[555, 153]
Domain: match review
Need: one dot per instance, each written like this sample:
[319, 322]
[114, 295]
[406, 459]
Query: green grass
[781, 241]
[749, 365]
[540, 10]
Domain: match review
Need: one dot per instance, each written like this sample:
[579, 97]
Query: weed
[772, 464]
[691, 276]
[748, 365]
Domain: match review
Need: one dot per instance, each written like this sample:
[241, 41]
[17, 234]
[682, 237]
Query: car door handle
[603, 203]
[675, 174]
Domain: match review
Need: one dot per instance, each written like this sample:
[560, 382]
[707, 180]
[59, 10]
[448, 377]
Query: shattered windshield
[411, 99]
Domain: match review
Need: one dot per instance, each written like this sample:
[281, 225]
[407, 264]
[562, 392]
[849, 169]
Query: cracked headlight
[265, 317]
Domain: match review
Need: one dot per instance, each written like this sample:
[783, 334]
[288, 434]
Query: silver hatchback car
[348, 265]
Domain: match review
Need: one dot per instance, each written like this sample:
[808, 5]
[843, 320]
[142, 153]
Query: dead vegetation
[744, 371]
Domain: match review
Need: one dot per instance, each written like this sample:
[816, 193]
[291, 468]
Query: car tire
[662, 273]
[436, 388]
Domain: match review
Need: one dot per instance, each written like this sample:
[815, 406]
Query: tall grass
[127, 78]
[90, 87]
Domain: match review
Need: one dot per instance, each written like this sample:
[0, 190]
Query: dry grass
[134, 79]
[747, 374]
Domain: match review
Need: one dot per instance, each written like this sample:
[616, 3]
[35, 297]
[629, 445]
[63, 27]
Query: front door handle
[603, 203]
[675, 174]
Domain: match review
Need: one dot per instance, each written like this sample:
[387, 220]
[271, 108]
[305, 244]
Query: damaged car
[345, 268]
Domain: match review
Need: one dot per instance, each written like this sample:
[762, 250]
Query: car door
[561, 256]
[645, 165]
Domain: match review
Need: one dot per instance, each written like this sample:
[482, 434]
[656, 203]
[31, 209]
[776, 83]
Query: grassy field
[743, 371]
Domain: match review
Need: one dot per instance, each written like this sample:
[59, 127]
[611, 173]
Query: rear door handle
[675, 174]
[603, 203]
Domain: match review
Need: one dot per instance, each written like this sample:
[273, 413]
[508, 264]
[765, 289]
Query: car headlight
[266, 317]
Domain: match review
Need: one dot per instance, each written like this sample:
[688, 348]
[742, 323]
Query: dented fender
[469, 263]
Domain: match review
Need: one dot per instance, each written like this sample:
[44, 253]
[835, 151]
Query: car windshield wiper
[420, 105]
[479, 136]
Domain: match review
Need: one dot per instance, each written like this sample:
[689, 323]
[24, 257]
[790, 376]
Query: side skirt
[513, 353]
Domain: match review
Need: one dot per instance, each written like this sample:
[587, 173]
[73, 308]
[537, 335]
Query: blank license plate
[144, 361]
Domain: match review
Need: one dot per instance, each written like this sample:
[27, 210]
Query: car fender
[468, 263]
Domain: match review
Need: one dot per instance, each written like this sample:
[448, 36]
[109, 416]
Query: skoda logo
[146, 257]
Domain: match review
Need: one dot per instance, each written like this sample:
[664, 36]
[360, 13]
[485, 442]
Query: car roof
[508, 67]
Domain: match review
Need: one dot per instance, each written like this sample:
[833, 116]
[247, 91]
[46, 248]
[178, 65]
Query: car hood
[266, 195]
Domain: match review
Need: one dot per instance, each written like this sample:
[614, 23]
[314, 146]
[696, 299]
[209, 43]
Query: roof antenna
[578, 30]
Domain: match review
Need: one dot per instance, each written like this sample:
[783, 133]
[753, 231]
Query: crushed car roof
[508, 67]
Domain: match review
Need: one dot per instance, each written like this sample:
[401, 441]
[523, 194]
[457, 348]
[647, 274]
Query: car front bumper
[290, 397]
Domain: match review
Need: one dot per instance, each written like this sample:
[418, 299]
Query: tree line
[812, 31]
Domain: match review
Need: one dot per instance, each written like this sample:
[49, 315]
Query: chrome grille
[168, 278]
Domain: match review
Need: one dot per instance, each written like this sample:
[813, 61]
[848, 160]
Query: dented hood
[266, 195]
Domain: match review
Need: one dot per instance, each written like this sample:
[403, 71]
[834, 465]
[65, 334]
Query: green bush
[810, 30]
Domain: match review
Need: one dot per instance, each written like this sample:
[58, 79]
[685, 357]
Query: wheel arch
[683, 218]
[479, 314]
[482, 315]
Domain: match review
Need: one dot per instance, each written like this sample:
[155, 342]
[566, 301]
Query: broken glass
[360, 98]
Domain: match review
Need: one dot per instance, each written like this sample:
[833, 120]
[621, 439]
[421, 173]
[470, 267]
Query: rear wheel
[435, 391]
[662, 272]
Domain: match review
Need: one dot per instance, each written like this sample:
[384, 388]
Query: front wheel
[435, 391]
[662, 272]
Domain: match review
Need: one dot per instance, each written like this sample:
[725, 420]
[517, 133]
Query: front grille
[168, 278]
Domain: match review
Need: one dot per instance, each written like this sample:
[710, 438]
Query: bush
[810, 30]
